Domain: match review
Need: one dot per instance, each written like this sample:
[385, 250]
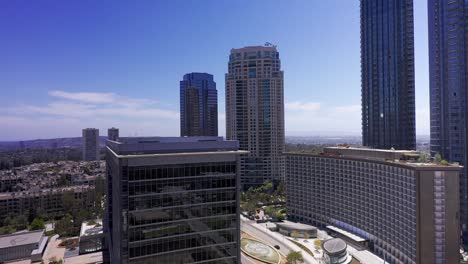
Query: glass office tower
[255, 112]
[448, 45]
[387, 74]
[198, 105]
[172, 200]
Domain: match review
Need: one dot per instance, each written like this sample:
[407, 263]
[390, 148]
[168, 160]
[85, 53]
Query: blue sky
[66, 65]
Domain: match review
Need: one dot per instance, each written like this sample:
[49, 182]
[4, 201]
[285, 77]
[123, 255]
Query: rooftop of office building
[91, 228]
[334, 246]
[267, 47]
[19, 239]
[404, 158]
[137, 146]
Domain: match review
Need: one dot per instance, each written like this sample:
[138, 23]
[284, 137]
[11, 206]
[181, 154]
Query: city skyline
[119, 85]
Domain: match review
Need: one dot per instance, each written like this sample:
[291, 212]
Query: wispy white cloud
[95, 105]
[67, 113]
[319, 118]
[84, 96]
[303, 106]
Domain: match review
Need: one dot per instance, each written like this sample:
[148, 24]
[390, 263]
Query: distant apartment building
[113, 134]
[44, 201]
[90, 144]
[255, 112]
[387, 74]
[404, 211]
[448, 50]
[198, 105]
[172, 200]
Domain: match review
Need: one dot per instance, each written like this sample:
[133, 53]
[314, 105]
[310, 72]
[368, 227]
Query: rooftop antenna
[268, 44]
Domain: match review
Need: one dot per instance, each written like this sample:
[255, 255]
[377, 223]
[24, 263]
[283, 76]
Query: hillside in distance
[53, 143]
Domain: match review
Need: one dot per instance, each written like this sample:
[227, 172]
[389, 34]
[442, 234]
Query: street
[264, 237]
[272, 239]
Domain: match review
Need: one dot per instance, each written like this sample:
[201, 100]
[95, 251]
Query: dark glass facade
[178, 209]
[448, 86]
[198, 105]
[387, 74]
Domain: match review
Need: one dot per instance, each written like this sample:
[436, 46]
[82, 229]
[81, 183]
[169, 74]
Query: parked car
[277, 247]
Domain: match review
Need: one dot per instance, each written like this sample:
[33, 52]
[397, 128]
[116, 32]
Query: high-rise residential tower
[387, 74]
[198, 105]
[172, 200]
[255, 112]
[448, 56]
[90, 144]
[113, 134]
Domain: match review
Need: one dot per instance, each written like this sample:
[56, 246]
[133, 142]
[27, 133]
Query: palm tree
[294, 257]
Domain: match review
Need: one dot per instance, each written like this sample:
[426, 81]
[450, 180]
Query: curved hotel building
[403, 211]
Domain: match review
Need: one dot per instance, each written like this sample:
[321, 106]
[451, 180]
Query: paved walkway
[52, 250]
[260, 232]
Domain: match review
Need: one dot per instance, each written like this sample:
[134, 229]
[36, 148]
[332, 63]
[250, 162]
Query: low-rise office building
[402, 210]
[172, 200]
[91, 237]
[25, 245]
[288, 228]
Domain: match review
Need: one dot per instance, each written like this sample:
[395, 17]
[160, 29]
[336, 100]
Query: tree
[63, 180]
[270, 210]
[437, 158]
[68, 201]
[100, 190]
[37, 224]
[422, 158]
[295, 234]
[444, 162]
[64, 226]
[86, 170]
[6, 230]
[54, 260]
[294, 257]
[278, 216]
[21, 222]
[317, 244]
[280, 190]
[10, 220]
[306, 236]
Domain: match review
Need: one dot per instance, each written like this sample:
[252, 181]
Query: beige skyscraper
[255, 112]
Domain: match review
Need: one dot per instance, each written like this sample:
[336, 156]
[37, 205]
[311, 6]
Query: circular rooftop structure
[296, 226]
[334, 246]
